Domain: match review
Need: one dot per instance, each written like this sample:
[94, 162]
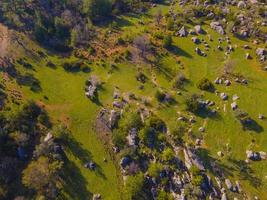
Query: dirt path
[4, 40]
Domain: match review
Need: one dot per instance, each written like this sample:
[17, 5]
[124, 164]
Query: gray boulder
[217, 27]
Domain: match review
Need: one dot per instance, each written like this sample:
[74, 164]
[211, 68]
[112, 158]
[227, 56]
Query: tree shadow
[213, 165]
[207, 113]
[240, 37]
[76, 149]
[122, 22]
[180, 52]
[252, 125]
[30, 81]
[83, 155]
[74, 184]
[246, 173]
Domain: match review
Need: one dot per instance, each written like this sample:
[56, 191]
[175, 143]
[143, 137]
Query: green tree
[167, 154]
[134, 186]
[40, 173]
[154, 169]
[97, 8]
[206, 84]
[132, 120]
[167, 41]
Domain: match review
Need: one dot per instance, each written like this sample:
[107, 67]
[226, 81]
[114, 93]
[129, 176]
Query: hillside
[130, 99]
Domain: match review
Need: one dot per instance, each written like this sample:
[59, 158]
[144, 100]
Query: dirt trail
[4, 40]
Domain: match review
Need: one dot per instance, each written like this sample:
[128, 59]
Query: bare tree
[158, 17]
[142, 43]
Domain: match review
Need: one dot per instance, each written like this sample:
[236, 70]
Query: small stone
[96, 197]
[198, 142]
[261, 116]
[234, 106]
[244, 81]
[223, 96]
[220, 154]
[235, 97]
[227, 83]
[201, 129]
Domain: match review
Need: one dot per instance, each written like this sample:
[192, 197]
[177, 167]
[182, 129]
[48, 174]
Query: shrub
[128, 54]
[141, 77]
[76, 66]
[160, 96]
[205, 84]
[120, 41]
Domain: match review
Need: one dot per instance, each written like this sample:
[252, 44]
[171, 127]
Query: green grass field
[67, 103]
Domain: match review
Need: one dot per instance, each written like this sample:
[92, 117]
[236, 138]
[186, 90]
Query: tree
[167, 41]
[158, 17]
[97, 8]
[179, 81]
[170, 24]
[167, 154]
[119, 139]
[134, 186]
[40, 174]
[192, 103]
[205, 84]
[154, 169]
[133, 120]
[142, 43]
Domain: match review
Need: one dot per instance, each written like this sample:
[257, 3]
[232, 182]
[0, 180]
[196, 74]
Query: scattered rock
[228, 184]
[201, 129]
[217, 27]
[234, 106]
[182, 32]
[223, 96]
[220, 154]
[261, 116]
[96, 197]
[235, 97]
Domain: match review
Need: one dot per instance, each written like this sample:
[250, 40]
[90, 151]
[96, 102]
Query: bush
[167, 154]
[205, 84]
[76, 66]
[120, 41]
[160, 96]
[128, 54]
